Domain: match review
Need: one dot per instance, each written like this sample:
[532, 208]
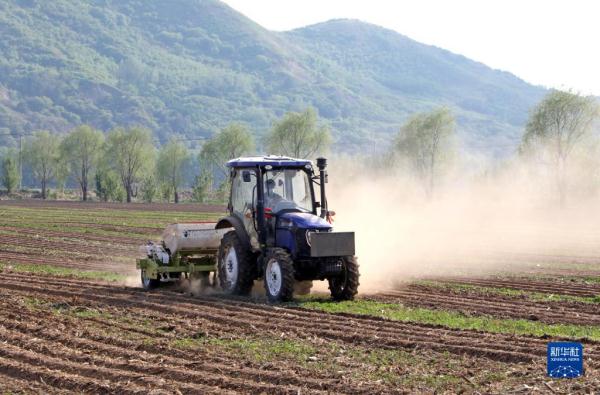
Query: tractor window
[241, 193]
[288, 189]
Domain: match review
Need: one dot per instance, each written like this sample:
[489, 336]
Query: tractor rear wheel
[345, 286]
[149, 283]
[235, 266]
[279, 276]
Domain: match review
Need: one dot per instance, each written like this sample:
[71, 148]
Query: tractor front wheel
[149, 283]
[279, 276]
[235, 266]
[345, 285]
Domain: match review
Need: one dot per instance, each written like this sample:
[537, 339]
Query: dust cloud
[132, 280]
[483, 219]
[197, 287]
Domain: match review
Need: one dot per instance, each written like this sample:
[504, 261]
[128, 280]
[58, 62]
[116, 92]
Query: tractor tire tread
[247, 272]
[350, 289]
[287, 272]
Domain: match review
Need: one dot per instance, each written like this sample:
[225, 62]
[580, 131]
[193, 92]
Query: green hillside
[192, 66]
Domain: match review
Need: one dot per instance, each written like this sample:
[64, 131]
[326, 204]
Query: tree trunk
[128, 189]
[44, 188]
[561, 183]
[175, 195]
[84, 182]
[431, 186]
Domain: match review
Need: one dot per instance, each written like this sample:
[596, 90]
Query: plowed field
[74, 319]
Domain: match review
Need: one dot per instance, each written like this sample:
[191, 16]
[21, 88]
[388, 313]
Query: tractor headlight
[308, 232]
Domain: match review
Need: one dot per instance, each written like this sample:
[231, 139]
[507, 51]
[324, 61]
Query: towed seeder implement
[188, 250]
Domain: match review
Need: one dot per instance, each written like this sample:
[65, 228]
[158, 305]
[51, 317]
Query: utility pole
[20, 154]
[20, 162]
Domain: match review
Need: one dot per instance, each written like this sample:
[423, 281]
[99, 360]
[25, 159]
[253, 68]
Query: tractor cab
[286, 188]
[280, 232]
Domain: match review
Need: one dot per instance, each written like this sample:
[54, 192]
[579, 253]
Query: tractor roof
[277, 161]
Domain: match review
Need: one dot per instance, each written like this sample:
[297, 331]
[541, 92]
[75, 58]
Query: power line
[16, 134]
[184, 139]
[193, 138]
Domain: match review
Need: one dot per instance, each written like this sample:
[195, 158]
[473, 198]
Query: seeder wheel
[149, 283]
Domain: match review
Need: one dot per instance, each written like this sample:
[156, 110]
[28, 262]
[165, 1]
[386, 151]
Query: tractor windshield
[288, 189]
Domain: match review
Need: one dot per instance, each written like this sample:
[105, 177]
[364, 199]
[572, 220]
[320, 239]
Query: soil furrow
[371, 332]
[228, 310]
[13, 385]
[172, 377]
[25, 258]
[69, 247]
[585, 290]
[41, 372]
[100, 206]
[127, 381]
[208, 372]
[121, 240]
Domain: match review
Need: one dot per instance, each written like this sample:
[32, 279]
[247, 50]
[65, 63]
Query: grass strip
[512, 292]
[572, 279]
[456, 320]
[61, 271]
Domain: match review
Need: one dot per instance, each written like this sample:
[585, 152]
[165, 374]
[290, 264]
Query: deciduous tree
[108, 185]
[81, 150]
[10, 173]
[41, 153]
[201, 187]
[229, 143]
[298, 135]
[555, 127]
[172, 160]
[425, 142]
[149, 188]
[130, 153]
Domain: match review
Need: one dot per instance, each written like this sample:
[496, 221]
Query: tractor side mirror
[246, 176]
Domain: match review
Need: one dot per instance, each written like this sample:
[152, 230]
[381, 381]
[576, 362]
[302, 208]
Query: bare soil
[66, 335]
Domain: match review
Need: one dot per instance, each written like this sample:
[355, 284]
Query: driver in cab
[272, 197]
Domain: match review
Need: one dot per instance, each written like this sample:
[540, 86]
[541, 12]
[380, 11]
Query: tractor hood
[306, 220]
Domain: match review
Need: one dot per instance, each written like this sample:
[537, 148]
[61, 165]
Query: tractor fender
[238, 226]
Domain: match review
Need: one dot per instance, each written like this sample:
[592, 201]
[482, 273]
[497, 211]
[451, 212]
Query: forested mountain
[190, 67]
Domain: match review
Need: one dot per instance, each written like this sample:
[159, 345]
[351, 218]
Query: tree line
[125, 164]
[561, 125]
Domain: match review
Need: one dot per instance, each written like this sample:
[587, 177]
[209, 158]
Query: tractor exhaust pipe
[322, 164]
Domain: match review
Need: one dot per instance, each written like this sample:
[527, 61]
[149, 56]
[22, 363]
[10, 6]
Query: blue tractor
[279, 235]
